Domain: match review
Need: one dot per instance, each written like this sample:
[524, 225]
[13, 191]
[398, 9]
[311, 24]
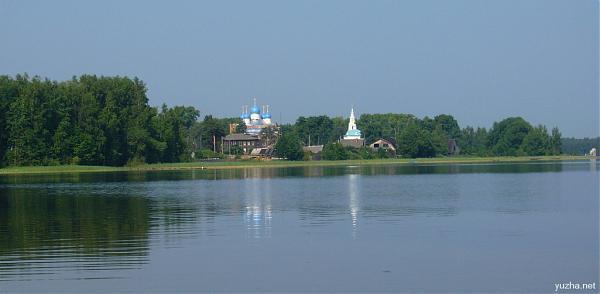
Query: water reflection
[106, 226]
[41, 233]
[278, 172]
[258, 211]
[353, 191]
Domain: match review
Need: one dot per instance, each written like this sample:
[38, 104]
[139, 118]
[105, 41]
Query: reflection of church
[354, 194]
[257, 212]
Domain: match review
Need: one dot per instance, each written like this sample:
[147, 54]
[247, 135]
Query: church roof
[355, 132]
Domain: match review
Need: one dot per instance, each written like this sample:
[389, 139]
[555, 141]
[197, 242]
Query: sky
[480, 61]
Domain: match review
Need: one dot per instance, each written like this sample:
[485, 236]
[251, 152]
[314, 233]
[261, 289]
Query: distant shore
[215, 165]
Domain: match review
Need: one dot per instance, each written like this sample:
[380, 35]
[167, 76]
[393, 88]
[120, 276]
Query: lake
[386, 228]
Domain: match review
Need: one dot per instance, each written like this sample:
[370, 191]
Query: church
[256, 120]
[253, 141]
[353, 136]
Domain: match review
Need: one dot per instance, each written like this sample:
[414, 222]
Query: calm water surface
[448, 228]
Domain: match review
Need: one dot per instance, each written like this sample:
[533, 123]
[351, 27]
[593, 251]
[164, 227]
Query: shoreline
[222, 165]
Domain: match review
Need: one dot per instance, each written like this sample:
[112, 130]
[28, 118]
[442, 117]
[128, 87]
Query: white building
[352, 132]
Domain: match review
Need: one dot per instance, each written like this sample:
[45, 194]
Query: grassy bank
[275, 163]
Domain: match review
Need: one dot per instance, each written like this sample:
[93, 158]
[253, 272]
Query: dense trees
[428, 137]
[473, 141]
[8, 92]
[87, 120]
[514, 136]
[334, 151]
[173, 126]
[555, 141]
[388, 125]
[506, 136]
[95, 120]
[319, 130]
[579, 146]
[415, 142]
[416, 137]
[288, 146]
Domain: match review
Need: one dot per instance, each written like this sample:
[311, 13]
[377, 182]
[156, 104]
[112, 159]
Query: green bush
[289, 146]
[334, 151]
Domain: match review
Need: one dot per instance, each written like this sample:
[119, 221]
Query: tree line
[581, 146]
[93, 120]
[426, 137]
[96, 120]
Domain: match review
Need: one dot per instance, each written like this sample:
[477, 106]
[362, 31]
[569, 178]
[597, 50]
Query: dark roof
[314, 149]
[388, 140]
[240, 137]
[391, 140]
[355, 143]
[262, 152]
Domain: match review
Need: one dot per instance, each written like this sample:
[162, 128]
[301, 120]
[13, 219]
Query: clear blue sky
[480, 61]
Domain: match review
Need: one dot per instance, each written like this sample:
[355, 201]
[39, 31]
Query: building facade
[386, 144]
[246, 142]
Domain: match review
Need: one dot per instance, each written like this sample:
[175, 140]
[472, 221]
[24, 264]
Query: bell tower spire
[352, 120]
[353, 132]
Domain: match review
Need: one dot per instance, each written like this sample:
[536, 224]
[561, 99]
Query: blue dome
[255, 109]
[353, 133]
[244, 116]
[266, 115]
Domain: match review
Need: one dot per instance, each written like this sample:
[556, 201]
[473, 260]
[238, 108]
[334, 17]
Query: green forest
[92, 120]
[427, 137]
[581, 146]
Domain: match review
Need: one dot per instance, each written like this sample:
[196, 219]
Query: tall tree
[473, 141]
[9, 91]
[340, 126]
[536, 142]
[314, 130]
[212, 131]
[414, 142]
[288, 146]
[31, 122]
[447, 125]
[556, 142]
[388, 125]
[506, 136]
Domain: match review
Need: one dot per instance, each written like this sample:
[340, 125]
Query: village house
[245, 141]
[453, 148]
[385, 144]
